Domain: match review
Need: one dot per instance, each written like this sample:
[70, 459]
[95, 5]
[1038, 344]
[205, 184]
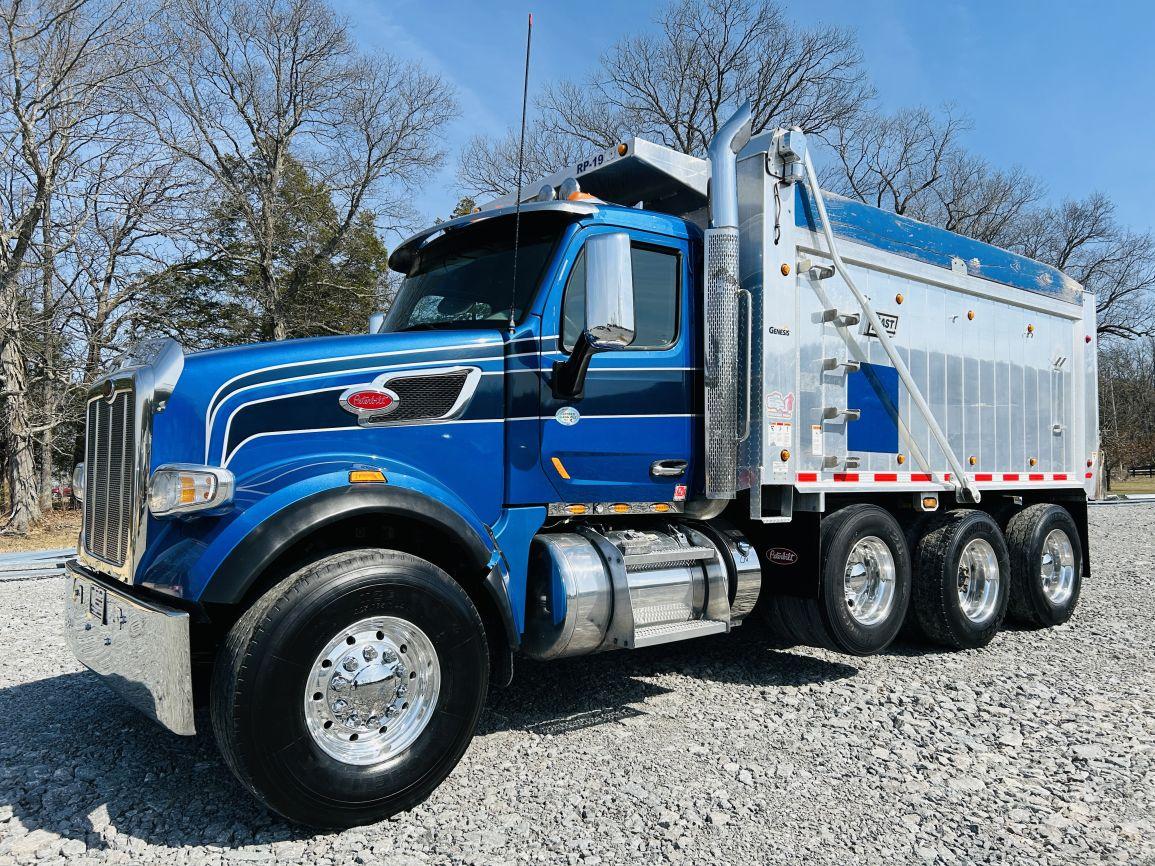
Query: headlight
[78, 479]
[182, 488]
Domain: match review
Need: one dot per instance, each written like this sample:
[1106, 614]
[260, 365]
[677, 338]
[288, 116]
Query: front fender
[276, 519]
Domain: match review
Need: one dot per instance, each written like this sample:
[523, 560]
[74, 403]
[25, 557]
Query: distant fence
[1141, 470]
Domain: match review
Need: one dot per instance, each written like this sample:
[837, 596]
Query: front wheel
[351, 689]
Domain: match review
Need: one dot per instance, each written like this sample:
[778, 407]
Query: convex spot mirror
[609, 310]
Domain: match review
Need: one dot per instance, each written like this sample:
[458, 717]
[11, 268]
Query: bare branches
[62, 68]
[677, 85]
[1084, 239]
[250, 85]
[894, 161]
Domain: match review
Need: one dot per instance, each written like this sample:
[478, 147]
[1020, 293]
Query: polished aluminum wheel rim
[869, 580]
[978, 581]
[1057, 568]
[372, 690]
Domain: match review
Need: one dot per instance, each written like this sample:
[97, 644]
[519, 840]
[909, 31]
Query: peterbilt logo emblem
[781, 556]
[369, 400]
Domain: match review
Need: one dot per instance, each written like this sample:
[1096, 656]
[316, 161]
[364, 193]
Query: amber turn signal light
[366, 476]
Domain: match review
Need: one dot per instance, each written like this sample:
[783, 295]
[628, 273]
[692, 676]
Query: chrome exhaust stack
[722, 288]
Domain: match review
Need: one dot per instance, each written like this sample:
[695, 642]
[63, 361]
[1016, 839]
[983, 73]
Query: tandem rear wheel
[961, 580]
[1046, 556]
[352, 688]
[864, 586]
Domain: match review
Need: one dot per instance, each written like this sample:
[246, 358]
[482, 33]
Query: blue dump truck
[658, 396]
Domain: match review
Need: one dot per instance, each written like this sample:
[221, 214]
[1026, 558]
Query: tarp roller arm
[964, 488]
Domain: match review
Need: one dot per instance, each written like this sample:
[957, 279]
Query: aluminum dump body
[1001, 347]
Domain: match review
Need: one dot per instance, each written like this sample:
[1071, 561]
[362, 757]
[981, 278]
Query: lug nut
[339, 684]
[350, 664]
[369, 653]
[340, 706]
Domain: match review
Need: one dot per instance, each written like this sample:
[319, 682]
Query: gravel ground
[1038, 749]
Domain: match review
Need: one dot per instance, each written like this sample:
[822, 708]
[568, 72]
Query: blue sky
[1065, 89]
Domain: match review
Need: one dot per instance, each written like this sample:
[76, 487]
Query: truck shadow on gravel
[77, 762]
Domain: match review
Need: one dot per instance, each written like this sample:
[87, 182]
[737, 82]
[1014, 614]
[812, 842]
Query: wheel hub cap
[372, 690]
[1057, 568]
[978, 580]
[869, 580]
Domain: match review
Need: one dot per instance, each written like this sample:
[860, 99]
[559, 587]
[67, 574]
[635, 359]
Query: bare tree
[979, 201]
[894, 161]
[488, 166]
[136, 221]
[678, 84]
[62, 63]
[1127, 403]
[1083, 239]
[913, 163]
[246, 83]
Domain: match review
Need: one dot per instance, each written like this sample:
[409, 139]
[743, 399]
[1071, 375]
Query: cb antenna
[520, 167]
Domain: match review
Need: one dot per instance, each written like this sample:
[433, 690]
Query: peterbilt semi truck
[654, 398]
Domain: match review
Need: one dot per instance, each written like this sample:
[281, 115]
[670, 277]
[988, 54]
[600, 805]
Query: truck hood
[197, 424]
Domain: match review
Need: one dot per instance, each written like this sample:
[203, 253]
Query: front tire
[352, 688]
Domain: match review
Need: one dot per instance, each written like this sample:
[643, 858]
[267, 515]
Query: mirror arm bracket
[569, 376]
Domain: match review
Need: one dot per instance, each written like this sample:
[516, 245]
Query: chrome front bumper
[139, 648]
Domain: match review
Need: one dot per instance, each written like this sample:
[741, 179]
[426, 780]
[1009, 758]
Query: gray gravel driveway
[1037, 749]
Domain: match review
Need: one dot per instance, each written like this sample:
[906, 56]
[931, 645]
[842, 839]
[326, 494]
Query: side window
[656, 273]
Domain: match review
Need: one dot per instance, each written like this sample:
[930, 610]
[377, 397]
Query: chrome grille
[109, 461]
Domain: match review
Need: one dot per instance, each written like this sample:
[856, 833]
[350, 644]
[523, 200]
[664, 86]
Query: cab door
[631, 436]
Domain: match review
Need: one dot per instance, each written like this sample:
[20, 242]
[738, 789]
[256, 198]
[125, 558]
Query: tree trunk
[48, 435]
[22, 481]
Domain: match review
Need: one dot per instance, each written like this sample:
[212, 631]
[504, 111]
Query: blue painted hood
[215, 385]
[271, 414]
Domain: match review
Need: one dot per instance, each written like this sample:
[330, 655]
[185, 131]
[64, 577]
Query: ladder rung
[672, 554]
[652, 635]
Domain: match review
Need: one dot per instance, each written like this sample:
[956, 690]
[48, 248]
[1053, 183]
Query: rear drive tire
[351, 689]
[1046, 564]
[961, 580]
[864, 586]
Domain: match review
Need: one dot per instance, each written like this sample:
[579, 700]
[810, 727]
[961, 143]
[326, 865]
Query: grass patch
[57, 529]
[1137, 484]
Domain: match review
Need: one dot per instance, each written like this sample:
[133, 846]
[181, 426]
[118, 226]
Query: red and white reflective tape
[928, 477]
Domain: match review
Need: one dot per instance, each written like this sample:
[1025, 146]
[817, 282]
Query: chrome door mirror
[376, 322]
[609, 311]
[609, 291]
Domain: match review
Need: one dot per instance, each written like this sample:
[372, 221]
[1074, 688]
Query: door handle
[667, 468]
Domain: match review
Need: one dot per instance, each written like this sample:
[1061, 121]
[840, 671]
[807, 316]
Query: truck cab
[639, 405]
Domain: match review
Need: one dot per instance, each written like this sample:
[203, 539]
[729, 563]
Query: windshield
[465, 277]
